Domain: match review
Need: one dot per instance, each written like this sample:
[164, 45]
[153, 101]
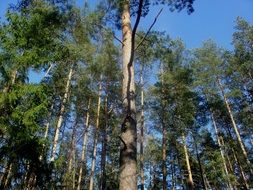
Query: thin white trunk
[246, 185]
[235, 126]
[48, 70]
[190, 180]
[83, 155]
[221, 150]
[48, 121]
[72, 147]
[46, 130]
[60, 119]
[103, 172]
[142, 132]
[94, 154]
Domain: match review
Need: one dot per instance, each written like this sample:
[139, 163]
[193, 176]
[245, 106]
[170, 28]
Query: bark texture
[235, 126]
[6, 176]
[94, 154]
[142, 133]
[243, 176]
[189, 171]
[128, 150]
[60, 119]
[83, 155]
[164, 157]
[104, 148]
[200, 165]
[221, 150]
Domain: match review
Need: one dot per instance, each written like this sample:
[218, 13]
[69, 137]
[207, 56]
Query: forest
[111, 106]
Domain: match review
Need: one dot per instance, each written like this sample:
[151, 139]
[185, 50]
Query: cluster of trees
[81, 127]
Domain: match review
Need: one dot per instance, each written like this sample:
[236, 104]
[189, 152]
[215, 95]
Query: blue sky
[212, 19]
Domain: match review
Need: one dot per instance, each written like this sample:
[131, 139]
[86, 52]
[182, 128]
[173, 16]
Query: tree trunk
[180, 169]
[72, 147]
[164, 157]
[104, 148]
[47, 72]
[8, 86]
[94, 154]
[190, 180]
[6, 176]
[128, 150]
[72, 155]
[47, 126]
[51, 108]
[142, 132]
[221, 150]
[207, 183]
[251, 142]
[74, 170]
[60, 119]
[234, 126]
[83, 155]
[244, 179]
[164, 136]
[150, 175]
[200, 165]
[173, 173]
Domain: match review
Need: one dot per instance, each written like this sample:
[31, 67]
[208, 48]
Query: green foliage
[22, 113]
[42, 34]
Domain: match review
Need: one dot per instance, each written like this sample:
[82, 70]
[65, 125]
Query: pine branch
[138, 18]
[151, 26]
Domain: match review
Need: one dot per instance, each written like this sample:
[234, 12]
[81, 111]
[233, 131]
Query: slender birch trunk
[190, 180]
[221, 150]
[94, 154]
[128, 149]
[104, 148]
[235, 126]
[60, 119]
[83, 155]
[142, 132]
